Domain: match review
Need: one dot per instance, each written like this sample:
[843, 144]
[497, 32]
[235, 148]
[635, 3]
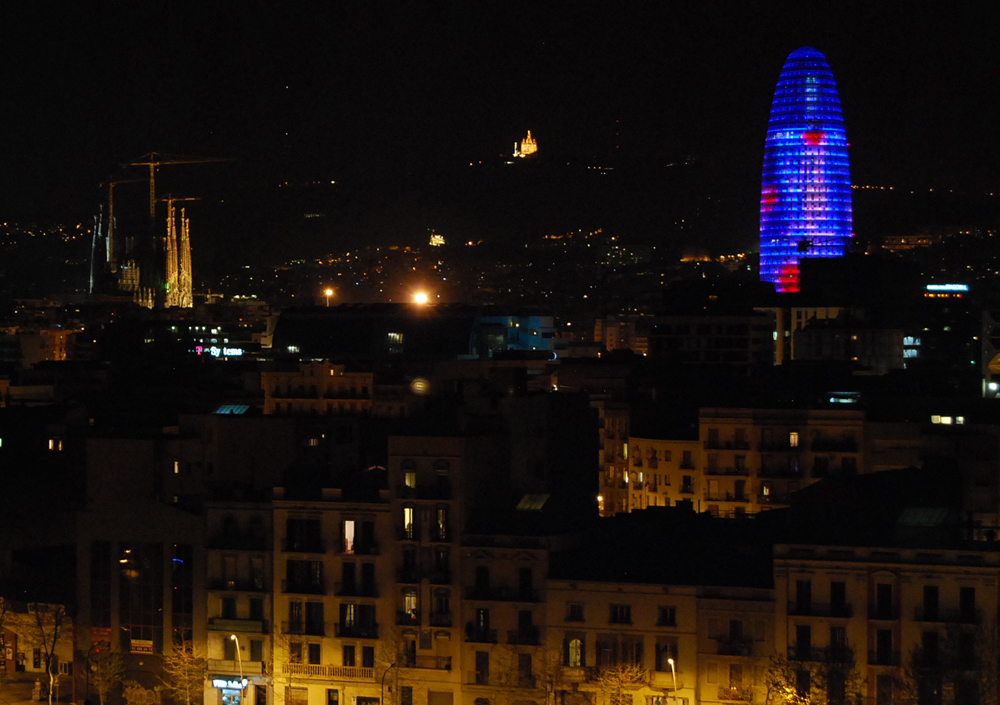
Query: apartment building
[664, 472]
[320, 388]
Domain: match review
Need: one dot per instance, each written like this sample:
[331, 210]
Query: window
[666, 649]
[803, 642]
[228, 649]
[348, 534]
[348, 654]
[883, 689]
[931, 602]
[574, 611]
[406, 695]
[256, 609]
[803, 596]
[836, 687]
[883, 601]
[666, 616]
[574, 652]
[442, 524]
[525, 678]
[408, 528]
[332, 694]
[883, 647]
[524, 584]
[838, 598]
[314, 654]
[295, 652]
[803, 683]
[967, 603]
[411, 605]
[368, 657]
[410, 479]
[793, 439]
[930, 643]
[482, 668]
[229, 608]
[620, 614]
[256, 650]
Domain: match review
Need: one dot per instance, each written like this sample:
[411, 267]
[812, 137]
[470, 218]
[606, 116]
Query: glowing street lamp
[420, 298]
[328, 293]
[673, 672]
[239, 658]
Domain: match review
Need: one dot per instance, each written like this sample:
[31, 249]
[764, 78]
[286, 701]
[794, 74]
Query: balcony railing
[729, 646]
[239, 585]
[408, 618]
[725, 472]
[441, 619]
[437, 663]
[501, 593]
[732, 693]
[883, 658]
[947, 616]
[883, 613]
[437, 492]
[778, 446]
[302, 546]
[219, 624]
[774, 498]
[302, 588]
[408, 533]
[441, 577]
[355, 589]
[579, 674]
[359, 548]
[498, 680]
[824, 444]
[525, 636]
[820, 610]
[250, 668]
[829, 654]
[726, 497]
[779, 471]
[726, 445]
[480, 635]
[304, 628]
[326, 671]
[356, 631]
[238, 541]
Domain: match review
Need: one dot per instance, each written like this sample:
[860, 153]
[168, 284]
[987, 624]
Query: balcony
[829, 654]
[825, 444]
[820, 610]
[778, 447]
[250, 668]
[238, 541]
[356, 631]
[947, 616]
[408, 618]
[434, 663]
[436, 492]
[360, 548]
[732, 693]
[441, 577]
[480, 635]
[222, 585]
[302, 546]
[295, 587]
[883, 658]
[408, 575]
[774, 498]
[687, 489]
[525, 636]
[729, 646]
[441, 619]
[687, 465]
[728, 472]
[408, 533]
[725, 497]
[779, 471]
[304, 628]
[726, 445]
[325, 671]
[883, 613]
[354, 590]
[501, 680]
[500, 593]
[217, 624]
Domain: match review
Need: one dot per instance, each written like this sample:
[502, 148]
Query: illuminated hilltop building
[805, 201]
[528, 146]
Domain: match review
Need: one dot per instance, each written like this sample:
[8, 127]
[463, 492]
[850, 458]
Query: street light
[239, 658]
[381, 698]
[328, 293]
[673, 672]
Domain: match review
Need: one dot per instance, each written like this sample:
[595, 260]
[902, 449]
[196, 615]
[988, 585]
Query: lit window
[312, 442]
[960, 420]
[946, 420]
[410, 479]
[55, 444]
[935, 418]
[408, 521]
[793, 439]
[177, 467]
[293, 348]
[348, 536]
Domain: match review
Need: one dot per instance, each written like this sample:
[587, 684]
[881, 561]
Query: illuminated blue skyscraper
[805, 199]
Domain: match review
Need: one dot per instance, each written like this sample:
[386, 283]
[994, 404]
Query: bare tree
[136, 694]
[107, 669]
[613, 681]
[832, 678]
[45, 629]
[184, 675]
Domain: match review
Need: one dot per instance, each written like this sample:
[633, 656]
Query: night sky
[338, 90]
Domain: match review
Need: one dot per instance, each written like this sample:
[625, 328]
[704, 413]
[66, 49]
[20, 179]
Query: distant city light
[420, 298]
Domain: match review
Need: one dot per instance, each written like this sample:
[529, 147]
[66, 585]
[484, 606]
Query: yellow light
[420, 298]
[328, 292]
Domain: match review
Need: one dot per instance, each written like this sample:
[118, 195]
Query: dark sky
[303, 91]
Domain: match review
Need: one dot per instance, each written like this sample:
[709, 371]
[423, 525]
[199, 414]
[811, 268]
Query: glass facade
[805, 201]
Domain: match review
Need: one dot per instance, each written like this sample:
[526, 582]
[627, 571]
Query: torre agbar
[805, 200]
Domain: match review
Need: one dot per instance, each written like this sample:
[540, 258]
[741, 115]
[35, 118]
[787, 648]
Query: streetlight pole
[239, 659]
[328, 293]
[381, 698]
[673, 672]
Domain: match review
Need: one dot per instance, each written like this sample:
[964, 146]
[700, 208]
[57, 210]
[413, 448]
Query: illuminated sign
[947, 287]
[229, 684]
[218, 352]
[142, 646]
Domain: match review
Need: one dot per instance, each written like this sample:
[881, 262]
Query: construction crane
[156, 159]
